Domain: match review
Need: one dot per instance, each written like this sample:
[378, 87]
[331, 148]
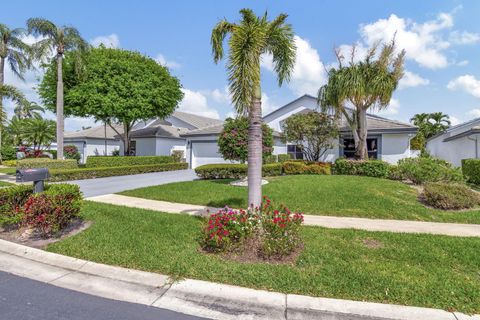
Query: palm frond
[281, 45]
[219, 33]
[42, 27]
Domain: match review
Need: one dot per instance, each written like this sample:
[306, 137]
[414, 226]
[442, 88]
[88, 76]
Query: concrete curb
[195, 297]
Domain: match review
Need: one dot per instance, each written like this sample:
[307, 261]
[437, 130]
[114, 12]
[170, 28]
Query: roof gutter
[476, 144]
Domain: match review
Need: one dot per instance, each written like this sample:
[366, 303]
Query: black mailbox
[37, 175]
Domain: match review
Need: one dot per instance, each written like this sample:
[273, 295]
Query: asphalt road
[25, 299]
[101, 186]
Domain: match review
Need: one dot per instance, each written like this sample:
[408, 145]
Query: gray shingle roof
[195, 120]
[97, 132]
[214, 130]
[160, 130]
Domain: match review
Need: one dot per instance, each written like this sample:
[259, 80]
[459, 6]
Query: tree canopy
[114, 86]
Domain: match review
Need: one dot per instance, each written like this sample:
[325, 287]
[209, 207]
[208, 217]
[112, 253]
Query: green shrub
[12, 200]
[8, 152]
[272, 158]
[449, 196]
[421, 170]
[291, 167]
[318, 168]
[471, 170]
[111, 161]
[177, 156]
[306, 167]
[10, 163]
[222, 171]
[284, 157]
[47, 163]
[91, 173]
[272, 169]
[71, 152]
[395, 173]
[369, 168]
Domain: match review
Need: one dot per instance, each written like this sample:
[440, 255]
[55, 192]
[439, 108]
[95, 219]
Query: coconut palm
[15, 52]
[429, 124]
[58, 39]
[27, 110]
[249, 39]
[366, 84]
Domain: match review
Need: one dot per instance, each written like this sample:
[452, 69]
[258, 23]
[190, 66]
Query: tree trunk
[126, 139]
[255, 151]
[60, 119]
[2, 70]
[362, 151]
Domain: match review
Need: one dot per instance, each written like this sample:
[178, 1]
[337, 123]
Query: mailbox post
[35, 175]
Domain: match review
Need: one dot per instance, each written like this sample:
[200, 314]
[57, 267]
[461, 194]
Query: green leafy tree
[313, 132]
[233, 141]
[429, 124]
[17, 97]
[57, 39]
[249, 39]
[365, 84]
[116, 87]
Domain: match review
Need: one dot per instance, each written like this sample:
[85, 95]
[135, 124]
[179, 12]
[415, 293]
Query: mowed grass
[408, 269]
[10, 171]
[5, 184]
[351, 196]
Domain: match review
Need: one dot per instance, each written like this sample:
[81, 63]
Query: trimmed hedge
[222, 171]
[449, 196]
[369, 168]
[306, 167]
[47, 163]
[10, 163]
[274, 158]
[91, 173]
[111, 161]
[421, 170]
[272, 169]
[471, 170]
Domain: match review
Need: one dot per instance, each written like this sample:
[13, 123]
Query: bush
[10, 163]
[53, 153]
[369, 168]
[281, 229]
[222, 171]
[71, 152]
[110, 161]
[91, 173]
[471, 170]
[284, 157]
[272, 169]
[291, 167]
[228, 228]
[306, 167]
[12, 200]
[421, 170]
[8, 152]
[449, 196]
[47, 163]
[178, 155]
[51, 211]
[272, 158]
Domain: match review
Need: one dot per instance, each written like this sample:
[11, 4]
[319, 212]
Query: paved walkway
[402, 226]
[100, 186]
[194, 297]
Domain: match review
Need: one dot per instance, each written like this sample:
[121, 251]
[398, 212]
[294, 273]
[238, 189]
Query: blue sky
[442, 40]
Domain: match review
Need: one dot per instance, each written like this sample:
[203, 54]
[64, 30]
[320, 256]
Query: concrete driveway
[101, 186]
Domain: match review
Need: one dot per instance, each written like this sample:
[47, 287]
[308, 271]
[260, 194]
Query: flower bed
[267, 233]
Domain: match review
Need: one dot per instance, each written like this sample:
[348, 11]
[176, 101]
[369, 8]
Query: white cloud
[462, 63]
[467, 83]
[411, 79]
[195, 102]
[423, 42]
[308, 74]
[464, 37]
[392, 109]
[454, 121]
[220, 96]
[110, 41]
[267, 105]
[475, 113]
[167, 63]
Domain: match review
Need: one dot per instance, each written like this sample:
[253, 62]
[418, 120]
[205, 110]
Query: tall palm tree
[249, 39]
[429, 124]
[58, 39]
[27, 110]
[16, 53]
[366, 84]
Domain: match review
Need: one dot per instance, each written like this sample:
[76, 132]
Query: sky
[441, 39]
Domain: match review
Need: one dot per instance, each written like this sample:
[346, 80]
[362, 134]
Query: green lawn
[10, 171]
[421, 270]
[5, 184]
[351, 196]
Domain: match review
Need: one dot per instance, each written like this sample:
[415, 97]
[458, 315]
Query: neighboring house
[96, 141]
[456, 143]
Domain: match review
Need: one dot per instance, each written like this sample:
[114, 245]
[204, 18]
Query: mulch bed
[32, 239]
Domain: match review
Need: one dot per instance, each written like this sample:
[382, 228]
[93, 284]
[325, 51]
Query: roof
[159, 130]
[195, 120]
[473, 130]
[214, 130]
[455, 127]
[97, 132]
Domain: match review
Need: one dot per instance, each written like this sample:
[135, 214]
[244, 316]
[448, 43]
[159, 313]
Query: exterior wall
[165, 146]
[93, 147]
[145, 146]
[275, 118]
[453, 151]
[395, 147]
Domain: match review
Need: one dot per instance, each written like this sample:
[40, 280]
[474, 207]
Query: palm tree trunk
[60, 119]
[362, 151]
[2, 80]
[255, 151]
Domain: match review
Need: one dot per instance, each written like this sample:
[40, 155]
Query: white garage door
[205, 153]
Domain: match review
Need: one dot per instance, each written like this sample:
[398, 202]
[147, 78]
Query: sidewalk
[200, 298]
[402, 226]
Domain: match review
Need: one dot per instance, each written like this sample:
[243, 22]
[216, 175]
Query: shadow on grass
[230, 202]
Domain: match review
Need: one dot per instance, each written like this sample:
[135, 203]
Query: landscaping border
[200, 298]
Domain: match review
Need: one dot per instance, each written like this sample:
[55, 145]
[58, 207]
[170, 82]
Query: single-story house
[456, 143]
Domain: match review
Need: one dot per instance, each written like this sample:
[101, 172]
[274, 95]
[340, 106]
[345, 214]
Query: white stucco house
[456, 143]
[388, 140]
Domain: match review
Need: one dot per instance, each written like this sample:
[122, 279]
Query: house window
[294, 151]
[349, 148]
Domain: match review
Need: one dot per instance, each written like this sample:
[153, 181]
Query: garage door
[205, 153]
